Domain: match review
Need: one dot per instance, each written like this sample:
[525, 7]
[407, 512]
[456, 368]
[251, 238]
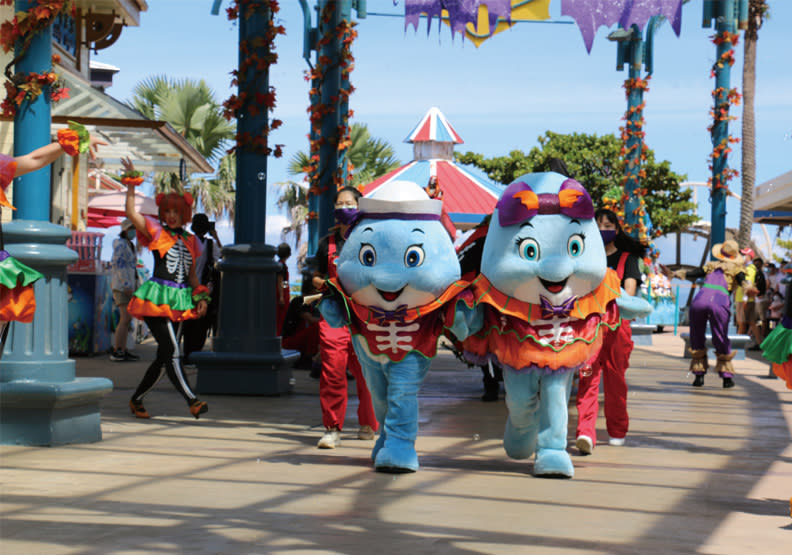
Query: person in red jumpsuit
[335, 344]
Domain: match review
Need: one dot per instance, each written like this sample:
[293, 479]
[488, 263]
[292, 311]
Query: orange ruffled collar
[594, 302]
[366, 314]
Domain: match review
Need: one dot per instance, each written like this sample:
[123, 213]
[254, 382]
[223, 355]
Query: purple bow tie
[550, 310]
[383, 316]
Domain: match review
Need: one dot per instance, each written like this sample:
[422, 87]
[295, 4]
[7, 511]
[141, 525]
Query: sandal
[138, 409]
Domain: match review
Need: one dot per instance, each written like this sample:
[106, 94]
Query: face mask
[608, 235]
[131, 233]
[345, 216]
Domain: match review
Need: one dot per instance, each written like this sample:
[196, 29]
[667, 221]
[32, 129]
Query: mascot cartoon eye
[414, 256]
[575, 245]
[528, 249]
[367, 255]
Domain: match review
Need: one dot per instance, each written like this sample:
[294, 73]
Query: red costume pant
[335, 348]
[612, 363]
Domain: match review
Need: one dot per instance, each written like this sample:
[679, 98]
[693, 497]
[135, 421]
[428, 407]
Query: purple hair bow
[519, 203]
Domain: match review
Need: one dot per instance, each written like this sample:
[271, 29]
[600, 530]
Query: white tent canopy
[773, 201]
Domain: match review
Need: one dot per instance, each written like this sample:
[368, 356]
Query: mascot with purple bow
[541, 305]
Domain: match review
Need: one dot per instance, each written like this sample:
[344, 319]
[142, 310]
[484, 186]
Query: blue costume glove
[631, 307]
[467, 321]
[333, 311]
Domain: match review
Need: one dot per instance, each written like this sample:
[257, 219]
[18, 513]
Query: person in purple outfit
[712, 304]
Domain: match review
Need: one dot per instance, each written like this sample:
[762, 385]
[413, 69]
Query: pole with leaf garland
[42, 402]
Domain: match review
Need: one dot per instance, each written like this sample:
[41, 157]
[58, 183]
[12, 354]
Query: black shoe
[117, 356]
[727, 383]
[490, 395]
[699, 381]
[130, 356]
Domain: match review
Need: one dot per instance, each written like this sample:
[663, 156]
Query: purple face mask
[345, 216]
[608, 235]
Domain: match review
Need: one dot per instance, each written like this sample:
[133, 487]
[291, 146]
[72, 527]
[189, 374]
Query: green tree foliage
[597, 164]
[191, 108]
[370, 157]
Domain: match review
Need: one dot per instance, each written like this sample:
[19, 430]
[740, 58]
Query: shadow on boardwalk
[704, 470]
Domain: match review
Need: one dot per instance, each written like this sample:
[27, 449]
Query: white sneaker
[616, 441]
[330, 439]
[584, 445]
[366, 432]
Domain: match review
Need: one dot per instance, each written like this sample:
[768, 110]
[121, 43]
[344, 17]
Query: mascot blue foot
[397, 456]
[553, 463]
[379, 444]
[519, 443]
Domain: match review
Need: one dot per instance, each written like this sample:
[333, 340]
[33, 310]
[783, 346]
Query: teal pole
[42, 402]
[632, 204]
[724, 11]
[330, 85]
[247, 357]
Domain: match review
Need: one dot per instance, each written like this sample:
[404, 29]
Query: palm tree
[370, 158]
[757, 10]
[217, 195]
[190, 107]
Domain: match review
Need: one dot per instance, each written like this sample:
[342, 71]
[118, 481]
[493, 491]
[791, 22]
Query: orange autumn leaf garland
[21, 29]
[252, 68]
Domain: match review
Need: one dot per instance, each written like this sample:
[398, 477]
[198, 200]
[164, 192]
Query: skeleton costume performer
[166, 299]
[17, 301]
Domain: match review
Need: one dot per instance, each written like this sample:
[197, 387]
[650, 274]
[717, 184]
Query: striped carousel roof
[434, 127]
[468, 196]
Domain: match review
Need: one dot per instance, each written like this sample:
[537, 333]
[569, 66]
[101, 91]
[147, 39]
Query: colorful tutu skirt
[777, 348]
[160, 298]
[17, 300]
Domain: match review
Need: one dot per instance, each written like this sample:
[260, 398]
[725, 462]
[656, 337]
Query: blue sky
[499, 97]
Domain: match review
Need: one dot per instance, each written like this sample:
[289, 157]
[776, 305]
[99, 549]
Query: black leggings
[168, 359]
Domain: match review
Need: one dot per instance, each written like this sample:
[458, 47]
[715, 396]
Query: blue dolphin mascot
[397, 275]
[542, 302]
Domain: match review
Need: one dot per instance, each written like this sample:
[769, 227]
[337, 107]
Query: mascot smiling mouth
[553, 286]
[390, 296]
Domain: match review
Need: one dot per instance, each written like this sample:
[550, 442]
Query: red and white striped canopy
[434, 127]
[468, 195]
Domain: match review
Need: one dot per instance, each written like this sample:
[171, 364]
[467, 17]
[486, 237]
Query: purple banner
[460, 12]
[591, 14]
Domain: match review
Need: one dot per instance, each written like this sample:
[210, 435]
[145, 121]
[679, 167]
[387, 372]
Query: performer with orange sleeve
[172, 295]
[17, 300]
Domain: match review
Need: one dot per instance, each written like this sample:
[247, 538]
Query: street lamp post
[247, 358]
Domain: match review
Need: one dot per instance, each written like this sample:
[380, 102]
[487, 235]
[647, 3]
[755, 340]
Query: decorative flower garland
[252, 68]
[632, 135]
[346, 33]
[723, 99]
[22, 87]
